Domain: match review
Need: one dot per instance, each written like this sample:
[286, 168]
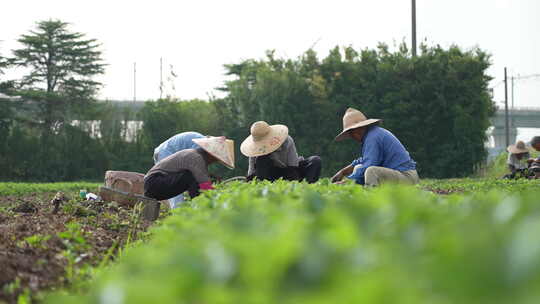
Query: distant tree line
[436, 103]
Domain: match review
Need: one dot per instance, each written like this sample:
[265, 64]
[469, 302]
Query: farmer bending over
[383, 158]
[272, 155]
[518, 156]
[187, 170]
[178, 142]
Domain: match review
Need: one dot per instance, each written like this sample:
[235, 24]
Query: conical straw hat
[264, 139]
[353, 119]
[219, 147]
[518, 148]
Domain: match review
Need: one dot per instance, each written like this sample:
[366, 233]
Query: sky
[198, 37]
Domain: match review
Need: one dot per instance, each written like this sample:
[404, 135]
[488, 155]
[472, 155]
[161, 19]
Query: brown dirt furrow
[36, 246]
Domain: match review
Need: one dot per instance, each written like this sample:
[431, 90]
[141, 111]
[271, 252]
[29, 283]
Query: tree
[165, 118]
[6, 112]
[60, 66]
[4, 85]
[3, 64]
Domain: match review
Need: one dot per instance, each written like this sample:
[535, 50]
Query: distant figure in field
[518, 156]
[187, 170]
[382, 156]
[178, 142]
[272, 155]
[535, 143]
[535, 163]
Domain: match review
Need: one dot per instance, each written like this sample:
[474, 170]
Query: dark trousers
[308, 169]
[162, 186]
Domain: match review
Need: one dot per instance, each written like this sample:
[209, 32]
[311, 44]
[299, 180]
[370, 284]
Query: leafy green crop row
[324, 243]
[9, 188]
[472, 185]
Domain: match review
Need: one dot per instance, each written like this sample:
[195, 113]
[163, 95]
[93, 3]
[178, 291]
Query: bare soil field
[45, 243]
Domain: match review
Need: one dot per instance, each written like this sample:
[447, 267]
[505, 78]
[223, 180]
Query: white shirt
[518, 163]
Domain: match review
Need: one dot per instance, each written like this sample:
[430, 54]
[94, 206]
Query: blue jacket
[380, 147]
[176, 143]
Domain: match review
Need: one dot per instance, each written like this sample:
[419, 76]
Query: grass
[10, 188]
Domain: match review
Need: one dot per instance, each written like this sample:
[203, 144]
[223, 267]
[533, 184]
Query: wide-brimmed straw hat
[219, 147]
[518, 148]
[264, 139]
[354, 119]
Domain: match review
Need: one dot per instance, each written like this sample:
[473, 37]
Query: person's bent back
[187, 170]
[178, 142]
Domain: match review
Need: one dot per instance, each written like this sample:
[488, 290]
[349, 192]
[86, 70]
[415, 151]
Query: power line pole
[160, 77]
[506, 123]
[413, 47]
[512, 80]
[134, 81]
[512, 108]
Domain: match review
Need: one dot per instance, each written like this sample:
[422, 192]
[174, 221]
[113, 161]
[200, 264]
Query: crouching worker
[534, 164]
[272, 155]
[518, 156]
[535, 169]
[178, 142]
[187, 170]
[383, 158]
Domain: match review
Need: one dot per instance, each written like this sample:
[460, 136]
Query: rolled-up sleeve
[356, 162]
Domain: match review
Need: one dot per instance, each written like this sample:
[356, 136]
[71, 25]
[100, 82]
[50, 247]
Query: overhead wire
[526, 76]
